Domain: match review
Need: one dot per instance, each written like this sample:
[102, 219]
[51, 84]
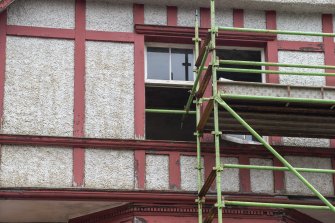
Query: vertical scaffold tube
[199, 164]
[217, 133]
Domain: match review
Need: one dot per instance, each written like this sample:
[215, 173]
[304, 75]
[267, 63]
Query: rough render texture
[305, 142]
[189, 173]
[155, 15]
[109, 16]
[322, 182]
[306, 22]
[224, 17]
[109, 169]
[261, 180]
[301, 58]
[39, 87]
[186, 16]
[42, 13]
[157, 172]
[25, 166]
[109, 90]
[254, 19]
[230, 180]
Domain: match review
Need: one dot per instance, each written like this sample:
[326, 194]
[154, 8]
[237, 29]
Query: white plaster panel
[224, 17]
[254, 19]
[39, 87]
[109, 169]
[305, 22]
[109, 16]
[155, 14]
[189, 173]
[293, 57]
[27, 166]
[109, 90]
[322, 182]
[261, 180]
[305, 142]
[42, 13]
[230, 180]
[157, 172]
[186, 16]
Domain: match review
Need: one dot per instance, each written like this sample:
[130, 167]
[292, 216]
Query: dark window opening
[170, 64]
[244, 55]
[168, 126]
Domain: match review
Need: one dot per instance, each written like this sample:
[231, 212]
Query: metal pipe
[275, 168]
[255, 71]
[275, 205]
[276, 31]
[275, 153]
[254, 63]
[278, 99]
[166, 111]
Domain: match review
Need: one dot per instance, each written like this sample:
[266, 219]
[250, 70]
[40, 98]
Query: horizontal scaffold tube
[276, 31]
[254, 167]
[278, 99]
[167, 111]
[255, 71]
[254, 63]
[274, 205]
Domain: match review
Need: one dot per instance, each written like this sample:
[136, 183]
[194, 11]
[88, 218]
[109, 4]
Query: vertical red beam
[244, 174]
[329, 47]
[238, 18]
[271, 55]
[140, 168]
[79, 92]
[3, 27]
[205, 18]
[139, 87]
[278, 177]
[138, 13]
[171, 12]
[174, 170]
[209, 164]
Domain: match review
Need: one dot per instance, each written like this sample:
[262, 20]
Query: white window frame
[169, 46]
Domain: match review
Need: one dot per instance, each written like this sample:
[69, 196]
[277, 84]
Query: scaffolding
[209, 106]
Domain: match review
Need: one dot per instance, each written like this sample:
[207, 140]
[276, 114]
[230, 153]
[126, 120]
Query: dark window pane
[182, 64]
[158, 63]
[246, 55]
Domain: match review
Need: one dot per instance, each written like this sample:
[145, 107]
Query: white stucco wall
[109, 90]
[224, 17]
[230, 180]
[261, 180]
[189, 173]
[254, 19]
[305, 142]
[322, 182]
[109, 169]
[309, 58]
[306, 22]
[114, 16]
[42, 13]
[157, 172]
[27, 166]
[186, 16]
[155, 14]
[39, 87]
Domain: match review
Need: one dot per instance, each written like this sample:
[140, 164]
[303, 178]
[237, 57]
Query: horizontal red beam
[142, 196]
[158, 145]
[40, 32]
[110, 36]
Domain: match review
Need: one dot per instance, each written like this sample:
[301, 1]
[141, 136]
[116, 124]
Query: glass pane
[158, 63]
[182, 64]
